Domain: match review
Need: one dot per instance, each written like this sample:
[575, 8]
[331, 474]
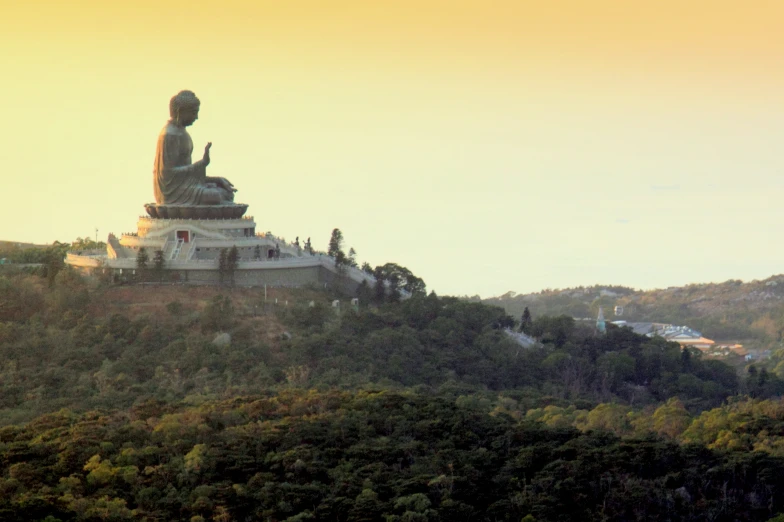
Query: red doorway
[184, 235]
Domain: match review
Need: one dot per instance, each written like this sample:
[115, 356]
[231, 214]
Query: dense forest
[167, 402]
[366, 455]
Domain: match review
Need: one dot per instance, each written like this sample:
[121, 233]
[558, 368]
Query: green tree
[403, 277]
[366, 507]
[364, 293]
[686, 359]
[556, 330]
[613, 369]
[525, 321]
[394, 288]
[158, 265]
[223, 264]
[86, 243]
[232, 261]
[335, 243]
[342, 261]
[609, 417]
[379, 287]
[142, 260]
[671, 419]
[53, 258]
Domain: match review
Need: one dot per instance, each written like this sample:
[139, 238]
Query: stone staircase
[116, 248]
[176, 250]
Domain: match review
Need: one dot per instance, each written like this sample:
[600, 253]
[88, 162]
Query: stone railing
[183, 221]
[150, 243]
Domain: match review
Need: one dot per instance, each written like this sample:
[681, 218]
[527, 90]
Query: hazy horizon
[487, 146]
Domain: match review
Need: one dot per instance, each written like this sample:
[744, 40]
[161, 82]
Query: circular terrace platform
[232, 211]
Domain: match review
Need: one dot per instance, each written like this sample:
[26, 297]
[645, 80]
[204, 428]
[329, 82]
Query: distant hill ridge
[732, 310]
[10, 245]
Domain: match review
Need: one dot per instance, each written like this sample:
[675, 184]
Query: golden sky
[486, 145]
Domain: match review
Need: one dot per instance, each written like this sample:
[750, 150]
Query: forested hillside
[81, 347]
[733, 310]
[364, 456]
[146, 402]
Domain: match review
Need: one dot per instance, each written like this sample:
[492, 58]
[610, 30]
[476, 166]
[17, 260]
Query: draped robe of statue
[176, 180]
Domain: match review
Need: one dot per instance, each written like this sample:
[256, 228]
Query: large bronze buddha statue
[180, 184]
[177, 180]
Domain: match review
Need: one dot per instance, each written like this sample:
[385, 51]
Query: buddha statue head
[184, 108]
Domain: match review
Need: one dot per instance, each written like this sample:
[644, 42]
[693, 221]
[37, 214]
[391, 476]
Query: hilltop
[10, 245]
[19, 252]
[752, 312]
[82, 343]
